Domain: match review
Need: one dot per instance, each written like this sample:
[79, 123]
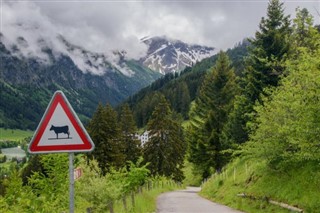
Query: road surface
[188, 201]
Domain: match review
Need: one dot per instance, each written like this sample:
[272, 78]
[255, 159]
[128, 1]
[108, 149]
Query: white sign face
[60, 130]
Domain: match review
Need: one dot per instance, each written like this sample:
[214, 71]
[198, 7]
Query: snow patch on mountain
[167, 55]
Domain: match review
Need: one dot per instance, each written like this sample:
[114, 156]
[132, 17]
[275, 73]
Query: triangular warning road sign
[60, 129]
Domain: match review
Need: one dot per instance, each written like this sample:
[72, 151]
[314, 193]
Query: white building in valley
[144, 137]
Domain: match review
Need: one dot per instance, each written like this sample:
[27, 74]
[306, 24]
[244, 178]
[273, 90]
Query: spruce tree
[105, 133]
[165, 149]
[132, 146]
[305, 34]
[269, 49]
[209, 115]
[264, 68]
[96, 129]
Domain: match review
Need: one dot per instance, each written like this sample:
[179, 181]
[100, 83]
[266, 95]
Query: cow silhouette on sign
[60, 129]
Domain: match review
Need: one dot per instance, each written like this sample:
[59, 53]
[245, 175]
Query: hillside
[277, 163]
[181, 88]
[27, 85]
[253, 178]
[31, 72]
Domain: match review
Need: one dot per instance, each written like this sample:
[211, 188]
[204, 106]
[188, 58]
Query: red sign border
[60, 98]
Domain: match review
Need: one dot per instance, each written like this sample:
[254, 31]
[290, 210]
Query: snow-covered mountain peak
[167, 55]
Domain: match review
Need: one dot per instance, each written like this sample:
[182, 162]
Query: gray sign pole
[71, 186]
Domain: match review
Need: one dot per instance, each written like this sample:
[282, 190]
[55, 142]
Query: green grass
[298, 185]
[145, 202]
[14, 134]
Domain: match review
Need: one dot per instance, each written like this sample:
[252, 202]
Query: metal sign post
[71, 185]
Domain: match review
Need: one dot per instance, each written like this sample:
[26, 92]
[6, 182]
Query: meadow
[14, 134]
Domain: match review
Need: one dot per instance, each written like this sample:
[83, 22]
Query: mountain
[32, 68]
[180, 89]
[27, 81]
[167, 55]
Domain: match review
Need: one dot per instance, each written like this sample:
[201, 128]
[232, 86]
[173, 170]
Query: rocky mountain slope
[31, 70]
[27, 83]
[166, 55]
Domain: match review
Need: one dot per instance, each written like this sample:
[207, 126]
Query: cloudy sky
[104, 25]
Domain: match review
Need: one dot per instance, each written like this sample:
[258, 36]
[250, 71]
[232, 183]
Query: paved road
[188, 201]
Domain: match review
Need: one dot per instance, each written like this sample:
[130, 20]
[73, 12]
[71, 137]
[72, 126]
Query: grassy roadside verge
[145, 201]
[298, 186]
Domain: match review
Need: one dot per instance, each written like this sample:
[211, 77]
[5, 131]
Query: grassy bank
[145, 201]
[297, 185]
[14, 134]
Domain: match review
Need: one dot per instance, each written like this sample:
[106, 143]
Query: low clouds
[103, 26]
[29, 32]
[80, 24]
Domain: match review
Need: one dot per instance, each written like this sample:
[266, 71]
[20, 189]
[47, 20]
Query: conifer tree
[132, 146]
[209, 115]
[269, 49]
[182, 99]
[264, 68]
[96, 130]
[305, 34]
[105, 133]
[165, 149]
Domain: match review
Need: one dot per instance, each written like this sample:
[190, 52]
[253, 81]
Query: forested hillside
[270, 127]
[180, 89]
[27, 85]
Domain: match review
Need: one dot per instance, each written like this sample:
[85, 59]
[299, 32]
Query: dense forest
[258, 101]
[181, 89]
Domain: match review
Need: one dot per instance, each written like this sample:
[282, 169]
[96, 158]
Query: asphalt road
[188, 201]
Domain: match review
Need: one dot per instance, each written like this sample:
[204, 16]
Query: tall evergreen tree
[166, 148]
[132, 146]
[105, 133]
[269, 49]
[305, 34]
[264, 68]
[209, 115]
